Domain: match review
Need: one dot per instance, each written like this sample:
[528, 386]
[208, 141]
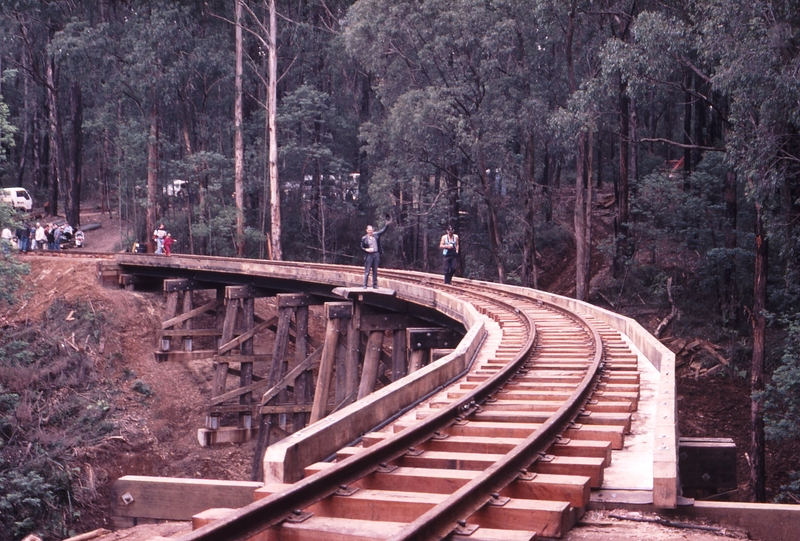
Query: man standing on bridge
[450, 248]
[158, 236]
[371, 245]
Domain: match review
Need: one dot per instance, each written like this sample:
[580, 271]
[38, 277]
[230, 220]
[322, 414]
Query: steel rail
[68, 254]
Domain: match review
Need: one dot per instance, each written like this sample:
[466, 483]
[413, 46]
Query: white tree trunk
[272, 101]
[238, 144]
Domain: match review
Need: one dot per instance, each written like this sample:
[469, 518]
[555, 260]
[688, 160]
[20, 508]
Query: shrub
[50, 404]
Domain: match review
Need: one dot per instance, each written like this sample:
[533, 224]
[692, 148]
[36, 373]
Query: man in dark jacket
[371, 245]
[23, 238]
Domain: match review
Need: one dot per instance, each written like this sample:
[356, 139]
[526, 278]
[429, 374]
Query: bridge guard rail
[284, 461]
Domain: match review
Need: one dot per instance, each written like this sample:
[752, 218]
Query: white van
[18, 198]
[175, 188]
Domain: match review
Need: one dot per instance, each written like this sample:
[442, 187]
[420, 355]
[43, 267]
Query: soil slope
[156, 408]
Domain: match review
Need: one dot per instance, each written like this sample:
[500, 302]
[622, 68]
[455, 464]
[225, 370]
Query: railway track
[510, 450]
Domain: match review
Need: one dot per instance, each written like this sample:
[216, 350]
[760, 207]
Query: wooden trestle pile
[350, 362]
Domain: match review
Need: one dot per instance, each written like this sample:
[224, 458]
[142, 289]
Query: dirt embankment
[150, 412]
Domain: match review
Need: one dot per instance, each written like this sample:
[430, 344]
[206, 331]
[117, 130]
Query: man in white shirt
[39, 238]
[158, 236]
[450, 250]
[6, 239]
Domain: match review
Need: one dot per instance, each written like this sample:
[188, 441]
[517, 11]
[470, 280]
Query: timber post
[372, 358]
[281, 375]
[239, 302]
[178, 292]
[399, 354]
[188, 305]
[246, 367]
[352, 354]
[334, 313]
[421, 341]
[170, 311]
[304, 384]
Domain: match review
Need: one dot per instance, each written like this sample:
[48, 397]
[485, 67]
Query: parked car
[18, 198]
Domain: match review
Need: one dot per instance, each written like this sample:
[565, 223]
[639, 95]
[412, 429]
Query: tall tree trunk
[688, 166]
[759, 322]
[451, 180]
[427, 187]
[152, 171]
[26, 123]
[581, 218]
[39, 180]
[238, 143]
[495, 242]
[72, 193]
[105, 174]
[729, 302]
[633, 150]
[272, 106]
[530, 275]
[547, 183]
[580, 221]
[623, 183]
[56, 150]
[700, 120]
[588, 185]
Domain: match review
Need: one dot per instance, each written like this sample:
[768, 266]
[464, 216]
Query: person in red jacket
[168, 240]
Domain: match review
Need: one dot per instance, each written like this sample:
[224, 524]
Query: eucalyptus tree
[747, 52]
[300, 60]
[238, 136]
[745, 57]
[450, 74]
[316, 140]
[595, 102]
[7, 130]
[167, 80]
[756, 55]
[266, 33]
[77, 56]
[28, 27]
[272, 130]
[339, 205]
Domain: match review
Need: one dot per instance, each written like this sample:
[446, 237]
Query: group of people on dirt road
[31, 238]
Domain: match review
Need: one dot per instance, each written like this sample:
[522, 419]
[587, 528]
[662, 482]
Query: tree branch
[672, 315]
[680, 145]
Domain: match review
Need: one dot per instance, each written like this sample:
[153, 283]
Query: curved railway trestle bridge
[502, 412]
